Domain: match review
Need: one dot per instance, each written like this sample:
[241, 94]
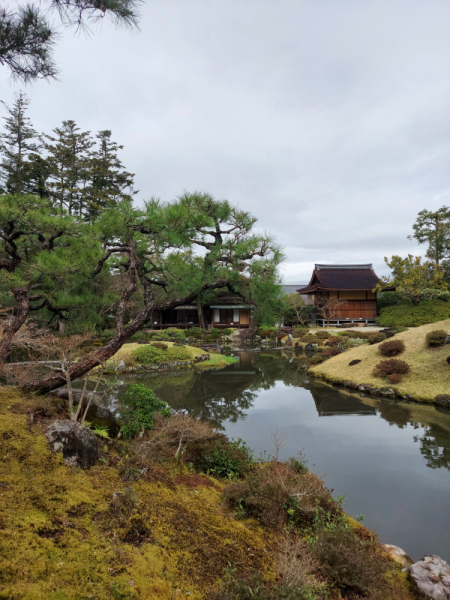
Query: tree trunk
[201, 316]
[9, 332]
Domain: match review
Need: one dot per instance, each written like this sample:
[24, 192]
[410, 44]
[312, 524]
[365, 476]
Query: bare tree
[327, 308]
[278, 439]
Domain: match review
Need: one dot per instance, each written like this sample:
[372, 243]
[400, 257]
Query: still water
[390, 459]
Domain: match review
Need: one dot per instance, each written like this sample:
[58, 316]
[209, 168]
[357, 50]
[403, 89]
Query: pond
[390, 459]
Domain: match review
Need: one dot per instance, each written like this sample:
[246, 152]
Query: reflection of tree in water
[228, 394]
[435, 446]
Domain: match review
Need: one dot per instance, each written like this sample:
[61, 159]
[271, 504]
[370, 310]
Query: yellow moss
[61, 540]
[429, 374]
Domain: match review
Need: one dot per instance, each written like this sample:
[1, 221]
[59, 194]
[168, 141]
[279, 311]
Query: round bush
[148, 355]
[392, 348]
[391, 367]
[178, 353]
[139, 405]
[376, 338]
[436, 338]
[322, 335]
[160, 345]
[299, 331]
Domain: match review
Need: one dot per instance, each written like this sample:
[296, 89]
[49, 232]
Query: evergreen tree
[69, 166]
[110, 183]
[433, 228]
[15, 145]
[27, 35]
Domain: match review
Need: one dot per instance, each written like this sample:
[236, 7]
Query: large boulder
[97, 413]
[431, 577]
[78, 444]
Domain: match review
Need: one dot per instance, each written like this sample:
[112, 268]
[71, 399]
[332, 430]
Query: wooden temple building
[351, 286]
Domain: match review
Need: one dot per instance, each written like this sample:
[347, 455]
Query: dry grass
[429, 374]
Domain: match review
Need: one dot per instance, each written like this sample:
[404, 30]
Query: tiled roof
[341, 277]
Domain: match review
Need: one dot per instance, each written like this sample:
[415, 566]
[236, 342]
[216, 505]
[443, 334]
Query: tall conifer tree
[16, 143]
[69, 159]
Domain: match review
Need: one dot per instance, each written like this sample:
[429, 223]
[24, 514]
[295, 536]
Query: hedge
[408, 315]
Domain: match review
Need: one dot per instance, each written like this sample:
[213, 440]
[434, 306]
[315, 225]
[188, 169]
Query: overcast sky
[328, 120]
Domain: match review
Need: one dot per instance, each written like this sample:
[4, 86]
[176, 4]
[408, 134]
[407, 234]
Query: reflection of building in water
[330, 404]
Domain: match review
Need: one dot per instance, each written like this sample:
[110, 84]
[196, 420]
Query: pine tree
[69, 159]
[15, 145]
[110, 183]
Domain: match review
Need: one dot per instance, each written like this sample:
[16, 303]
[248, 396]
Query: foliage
[28, 35]
[433, 228]
[322, 335]
[178, 353]
[267, 332]
[390, 367]
[148, 355]
[278, 494]
[294, 310]
[427, 311]
[436, 338]
[300, 331]
[413, 279]
[160, 345]
[392, 348]
[220, 457]
[376, 338]
[390, 298]
[139, 404]
[227, 331]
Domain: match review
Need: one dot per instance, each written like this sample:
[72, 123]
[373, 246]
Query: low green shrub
[220, 457]
[322, 335]
[376, 338]
[139, 337]
[309, 338]
[436, 338]
[160, 345]
[428, 311]
[196, 332]
[299, 331]
[148, 355]
[214, 334]
[178, 353]
[390, 367]
[138, 406]
[227, 331]
[392, 348]
[176, 334]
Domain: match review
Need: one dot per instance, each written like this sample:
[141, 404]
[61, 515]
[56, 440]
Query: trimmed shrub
[177, 334]
[139, 405]
[299, 331]
[138, 337]
[391, 367]
[178, 353]
[436, 338]
[148, 355]
[160, 345]
[428, 311]
[227, 331]
[376, 338]
[392, 348]
[334, 340]
[306, 339]
[322, 335]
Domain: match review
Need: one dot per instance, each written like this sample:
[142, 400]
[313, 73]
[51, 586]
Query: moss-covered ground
[164, 531]
[429, 372]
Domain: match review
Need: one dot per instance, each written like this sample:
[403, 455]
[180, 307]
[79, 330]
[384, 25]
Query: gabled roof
[341, 277]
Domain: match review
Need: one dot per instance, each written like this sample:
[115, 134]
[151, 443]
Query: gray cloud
[327, 120]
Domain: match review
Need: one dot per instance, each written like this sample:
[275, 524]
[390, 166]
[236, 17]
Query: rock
[388, 392]
[442, 400]
[310, 346]
[431, 576]
[121, 367]
[373, 391]
[365, 386]
[78, 444]
[397, 554]
[97, 414]
[354, 362]
[213, 348]
[351, 385]
[202, 357]
[448, 359]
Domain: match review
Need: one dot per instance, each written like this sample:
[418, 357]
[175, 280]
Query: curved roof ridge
[320, 267]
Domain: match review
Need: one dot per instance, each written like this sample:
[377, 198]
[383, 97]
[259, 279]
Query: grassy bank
[429, 372]
[141, 524]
